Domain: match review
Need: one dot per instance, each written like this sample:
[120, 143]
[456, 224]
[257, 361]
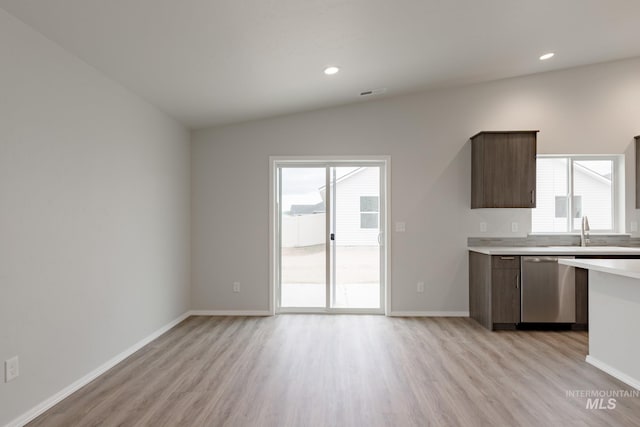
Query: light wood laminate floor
[315, 370]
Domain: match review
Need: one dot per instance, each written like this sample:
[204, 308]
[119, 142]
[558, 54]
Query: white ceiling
[211, 62]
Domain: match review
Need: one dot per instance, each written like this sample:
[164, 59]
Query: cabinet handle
[507, 258]
[533, 197]
[517, 281]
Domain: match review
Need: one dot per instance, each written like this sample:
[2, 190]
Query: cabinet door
[582, 296]
[505, 296]
[637, 172]
[509, 170]
[480, 288]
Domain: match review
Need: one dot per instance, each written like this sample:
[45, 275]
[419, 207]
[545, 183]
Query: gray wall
[95, 197]
[94, 218]
[594, 109]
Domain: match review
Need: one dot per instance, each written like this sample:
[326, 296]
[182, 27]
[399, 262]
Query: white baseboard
[37, 410]
[230, 313]
[429, 314]
[614, 372]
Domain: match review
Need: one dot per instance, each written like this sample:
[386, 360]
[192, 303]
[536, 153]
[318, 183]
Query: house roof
[345, 176]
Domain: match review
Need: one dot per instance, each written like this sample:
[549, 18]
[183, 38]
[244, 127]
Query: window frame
[376, 212]
[616, 204]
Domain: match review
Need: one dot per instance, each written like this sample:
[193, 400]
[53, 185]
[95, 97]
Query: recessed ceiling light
[547, 56]
[329, 71]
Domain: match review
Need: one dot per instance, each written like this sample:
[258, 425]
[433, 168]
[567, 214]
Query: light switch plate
[483, 227]
[514, 227]
[236, 287]
[420, 287]
[401, 227]
[11, 369]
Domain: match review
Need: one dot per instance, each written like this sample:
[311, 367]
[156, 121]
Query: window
[369, 211]
[570, 187]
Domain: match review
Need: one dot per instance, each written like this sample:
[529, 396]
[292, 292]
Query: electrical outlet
[483, 227]
[420, 287]
[514, 227]
[401, 227]
[11, 369]
[236, 286]
[634, 226]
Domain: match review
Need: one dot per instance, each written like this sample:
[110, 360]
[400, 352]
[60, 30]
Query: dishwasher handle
[540, 259]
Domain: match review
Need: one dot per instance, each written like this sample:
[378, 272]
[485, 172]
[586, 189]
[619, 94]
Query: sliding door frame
[275, 162]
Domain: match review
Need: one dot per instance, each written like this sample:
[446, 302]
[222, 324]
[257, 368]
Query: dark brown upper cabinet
[637, 172]
[503, 169]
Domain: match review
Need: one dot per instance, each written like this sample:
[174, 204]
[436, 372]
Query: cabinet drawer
[505, 261]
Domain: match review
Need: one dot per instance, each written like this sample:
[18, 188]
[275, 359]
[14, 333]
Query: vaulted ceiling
[212, 62]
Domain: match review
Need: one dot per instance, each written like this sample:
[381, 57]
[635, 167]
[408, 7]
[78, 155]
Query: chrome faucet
[584, 232]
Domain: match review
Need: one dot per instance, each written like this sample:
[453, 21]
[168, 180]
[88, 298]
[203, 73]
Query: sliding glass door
[303, 230]
[330, 237]
[356, 248]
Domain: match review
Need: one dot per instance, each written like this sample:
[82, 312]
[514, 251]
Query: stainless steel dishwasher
[548, 290]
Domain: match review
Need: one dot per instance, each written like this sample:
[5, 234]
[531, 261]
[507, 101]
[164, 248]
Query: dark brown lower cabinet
[505, 295]
[494, 290]
[582, 299]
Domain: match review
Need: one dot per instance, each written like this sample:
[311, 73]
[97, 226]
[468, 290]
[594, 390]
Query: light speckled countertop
[620, 267]
[555, 250]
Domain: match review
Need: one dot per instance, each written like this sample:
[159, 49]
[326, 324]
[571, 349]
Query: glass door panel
[330, 237]
[303, 231]
[356, 231]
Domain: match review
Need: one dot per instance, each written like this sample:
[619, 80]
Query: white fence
[303, 230]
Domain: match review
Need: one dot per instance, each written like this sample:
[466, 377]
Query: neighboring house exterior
[357, 196]
[590, 189]
[357, 221]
